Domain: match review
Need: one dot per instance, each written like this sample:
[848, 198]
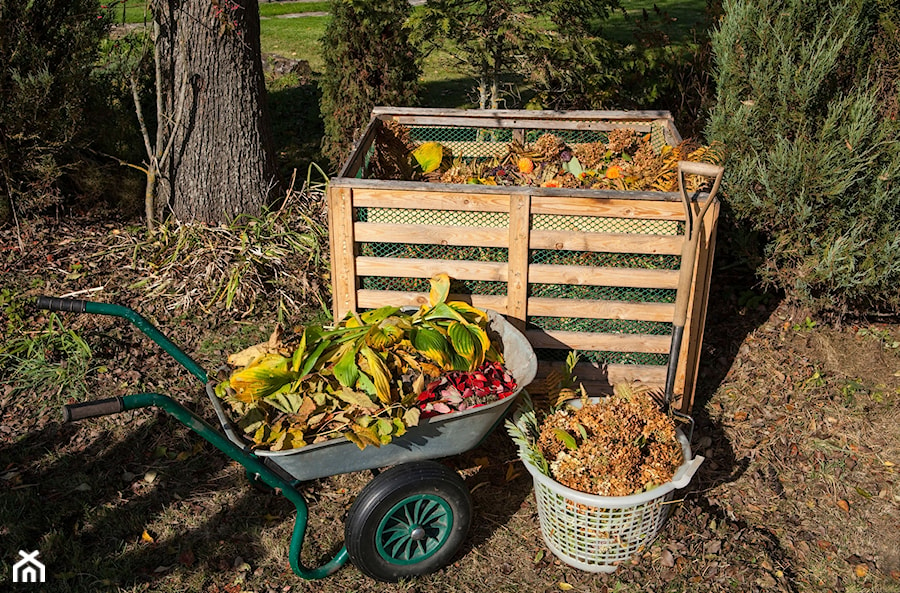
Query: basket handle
[691, 468]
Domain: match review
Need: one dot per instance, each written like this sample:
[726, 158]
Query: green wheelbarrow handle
[254, 465]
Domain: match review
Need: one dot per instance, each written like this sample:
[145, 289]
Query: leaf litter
[736, 532]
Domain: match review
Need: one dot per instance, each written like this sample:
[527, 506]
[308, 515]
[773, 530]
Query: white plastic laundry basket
[596, 533]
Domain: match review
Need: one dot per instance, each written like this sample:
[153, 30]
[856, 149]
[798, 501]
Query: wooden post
[343, 251]
[517, 284]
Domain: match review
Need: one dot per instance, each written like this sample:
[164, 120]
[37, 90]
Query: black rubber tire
[426, 490]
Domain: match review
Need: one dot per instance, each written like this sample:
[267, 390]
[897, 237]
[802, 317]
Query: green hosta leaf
[355, 398]
[345, 370]
[433, 345]
[428, 156]
[385, 334]
[442, 311]
[263, 377]
[310, 362]
[463, 341]
[381, 375]
[440, 289]
[376, 316]
[470, 313]
[567, 439]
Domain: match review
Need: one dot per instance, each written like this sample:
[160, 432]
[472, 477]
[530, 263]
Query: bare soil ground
[798, 422]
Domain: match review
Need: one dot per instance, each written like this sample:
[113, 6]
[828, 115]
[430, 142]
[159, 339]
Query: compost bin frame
[349, 191]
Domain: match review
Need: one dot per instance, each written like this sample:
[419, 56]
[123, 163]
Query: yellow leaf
[411, 417]
[380, 374]
[147, 537]
[428, 156]
[264, 377]
[440, 289]
[861, 570]
[565, 586]
[512, 473]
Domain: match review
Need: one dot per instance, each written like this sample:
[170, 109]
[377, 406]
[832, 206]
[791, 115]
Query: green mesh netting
[599, 259]
[481, 287]
[606, 326]
[602, 358]
[602, 224]
[450, 252]
[603, 293]
[498, 220]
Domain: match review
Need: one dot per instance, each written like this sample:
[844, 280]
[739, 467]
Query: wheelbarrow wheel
[409, 520]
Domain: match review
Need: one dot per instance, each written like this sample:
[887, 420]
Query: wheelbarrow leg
[251, 463]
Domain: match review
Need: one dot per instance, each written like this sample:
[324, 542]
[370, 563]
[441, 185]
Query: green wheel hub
[414, 529]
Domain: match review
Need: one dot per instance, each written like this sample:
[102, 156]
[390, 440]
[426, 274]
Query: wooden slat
[606, 242]
[600, 381]
[596, 276]
[372, 299]
[591, 309]
[343, 268]
[511, 118]
[465, 236]
[599, 341]
[357, 158]
[395, 198]
[613, 208]
[400, 267]
[517, 288]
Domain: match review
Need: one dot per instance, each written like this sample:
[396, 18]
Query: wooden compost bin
[589, 270]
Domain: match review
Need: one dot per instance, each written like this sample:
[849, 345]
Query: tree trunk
[213, 112]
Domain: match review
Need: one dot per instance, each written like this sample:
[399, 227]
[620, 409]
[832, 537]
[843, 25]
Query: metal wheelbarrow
[409, 520]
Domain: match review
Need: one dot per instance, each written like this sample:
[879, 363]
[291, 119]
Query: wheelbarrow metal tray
[438, 436]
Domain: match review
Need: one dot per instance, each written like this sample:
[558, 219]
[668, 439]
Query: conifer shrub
[47, 50]
[368, 61]
[812, 163]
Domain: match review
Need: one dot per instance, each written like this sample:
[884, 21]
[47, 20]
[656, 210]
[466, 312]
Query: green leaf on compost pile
[567, 439]
[345, 370]
[433, 345]
[263, 377]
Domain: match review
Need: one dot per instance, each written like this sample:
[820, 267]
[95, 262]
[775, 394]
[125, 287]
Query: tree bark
[222, 160]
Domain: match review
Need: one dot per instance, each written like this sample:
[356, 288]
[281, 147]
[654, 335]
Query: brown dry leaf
[667, 559]
[512, 473]
[844, 505]
[741, 416]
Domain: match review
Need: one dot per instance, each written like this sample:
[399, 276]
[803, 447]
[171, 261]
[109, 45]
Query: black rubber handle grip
[101, 407]
[57, 304]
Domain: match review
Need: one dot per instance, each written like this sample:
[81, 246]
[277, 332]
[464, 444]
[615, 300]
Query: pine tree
[812, 164]
[368, 61]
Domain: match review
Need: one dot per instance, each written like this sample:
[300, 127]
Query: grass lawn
[134, 11]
